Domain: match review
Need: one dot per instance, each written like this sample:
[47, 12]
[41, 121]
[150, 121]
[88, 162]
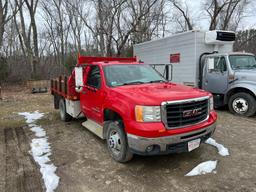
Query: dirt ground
[85, 165]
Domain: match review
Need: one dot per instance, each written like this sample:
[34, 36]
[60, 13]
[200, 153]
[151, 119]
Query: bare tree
[223, 12]
[75, 20]
[233, 14]
[245, 41]
[141, 23]
[3, 15]
[121, 21]
[182, 17]
[32, 7]
[58, 27]
[27, 32]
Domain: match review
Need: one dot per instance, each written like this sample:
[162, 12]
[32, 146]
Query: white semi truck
[205, 60]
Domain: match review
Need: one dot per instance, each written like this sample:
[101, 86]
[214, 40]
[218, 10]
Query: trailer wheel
[63, 113]
[242, 104]
[117, 142]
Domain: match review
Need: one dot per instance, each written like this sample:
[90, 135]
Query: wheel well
[110, 115]
[238, 90]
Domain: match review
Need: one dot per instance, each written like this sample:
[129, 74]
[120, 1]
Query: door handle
[84, 92]
[91, 89]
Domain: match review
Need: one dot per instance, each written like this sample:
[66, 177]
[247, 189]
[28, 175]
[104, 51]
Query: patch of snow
[41, 150]
[40, 146]
[32, 125]
[51, 180]
[42, 159]
[203, 168]
[39, 131]
[31, 117]
[223, 151]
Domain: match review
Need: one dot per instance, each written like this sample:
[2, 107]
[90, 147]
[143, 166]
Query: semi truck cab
[231, 77]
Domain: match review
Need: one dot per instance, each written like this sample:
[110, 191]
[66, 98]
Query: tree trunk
[1, 35]
[35, 38]
[101, 28]
[1, 23]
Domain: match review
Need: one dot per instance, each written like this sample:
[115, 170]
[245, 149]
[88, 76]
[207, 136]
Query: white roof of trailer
[171, 36]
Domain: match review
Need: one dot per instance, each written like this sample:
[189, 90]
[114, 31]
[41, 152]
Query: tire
[242, 104]
[117, 142]
[56, 101]
[64, 116]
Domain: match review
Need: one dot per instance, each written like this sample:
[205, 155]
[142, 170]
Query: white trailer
[188, 46]
[205, 60]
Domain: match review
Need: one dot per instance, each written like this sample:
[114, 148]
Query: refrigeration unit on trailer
[205, 60]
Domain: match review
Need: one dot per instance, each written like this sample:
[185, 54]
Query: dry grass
[19, 99]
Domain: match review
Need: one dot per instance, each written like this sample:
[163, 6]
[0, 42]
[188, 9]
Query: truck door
[92, 96]
[215, 76]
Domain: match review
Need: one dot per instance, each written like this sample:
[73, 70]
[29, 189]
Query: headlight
[211, 104]
[147, 113]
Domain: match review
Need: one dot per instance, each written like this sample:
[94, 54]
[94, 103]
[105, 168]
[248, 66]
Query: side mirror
[165, 70]
[79, 79]
[210, 63]
[168, 72]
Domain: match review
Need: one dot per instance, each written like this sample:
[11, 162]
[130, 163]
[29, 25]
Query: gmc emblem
[192, 113]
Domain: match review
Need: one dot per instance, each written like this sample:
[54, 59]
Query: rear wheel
[63, 113]
[117, 142]
[242, 104]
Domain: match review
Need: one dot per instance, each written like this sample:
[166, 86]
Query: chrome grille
[186, 112]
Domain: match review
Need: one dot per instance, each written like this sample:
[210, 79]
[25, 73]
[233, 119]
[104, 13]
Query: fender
[120, 106]
[119, 103]
[121, 109]
[245, 85]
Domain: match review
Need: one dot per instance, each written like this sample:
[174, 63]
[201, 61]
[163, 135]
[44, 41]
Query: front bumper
[168, 144]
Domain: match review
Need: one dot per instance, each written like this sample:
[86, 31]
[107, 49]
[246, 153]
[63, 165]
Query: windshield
[242, 62]
[117, 75]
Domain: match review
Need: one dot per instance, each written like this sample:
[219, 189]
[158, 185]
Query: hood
[156, 93]
[246, 75]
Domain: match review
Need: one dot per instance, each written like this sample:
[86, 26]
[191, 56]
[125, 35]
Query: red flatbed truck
[134, 108]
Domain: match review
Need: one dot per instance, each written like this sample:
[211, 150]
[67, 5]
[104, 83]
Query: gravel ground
[85, 165]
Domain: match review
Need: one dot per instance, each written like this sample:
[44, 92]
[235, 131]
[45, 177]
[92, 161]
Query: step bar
[94, 127]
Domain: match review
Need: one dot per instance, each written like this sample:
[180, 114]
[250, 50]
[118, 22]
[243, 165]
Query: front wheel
[117, 142]
[242, 104]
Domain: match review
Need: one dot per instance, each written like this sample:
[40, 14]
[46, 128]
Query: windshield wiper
[141, 82]
[133, 83]
[157, 81]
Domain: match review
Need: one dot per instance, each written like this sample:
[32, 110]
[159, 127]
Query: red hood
[155, 93]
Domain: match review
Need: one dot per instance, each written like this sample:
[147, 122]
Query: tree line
[40, 39]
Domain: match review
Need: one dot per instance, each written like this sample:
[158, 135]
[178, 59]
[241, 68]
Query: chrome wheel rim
[240, 105]
[114, 142]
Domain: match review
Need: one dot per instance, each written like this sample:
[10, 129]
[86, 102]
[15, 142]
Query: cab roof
[115, 63]
[232, 53]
